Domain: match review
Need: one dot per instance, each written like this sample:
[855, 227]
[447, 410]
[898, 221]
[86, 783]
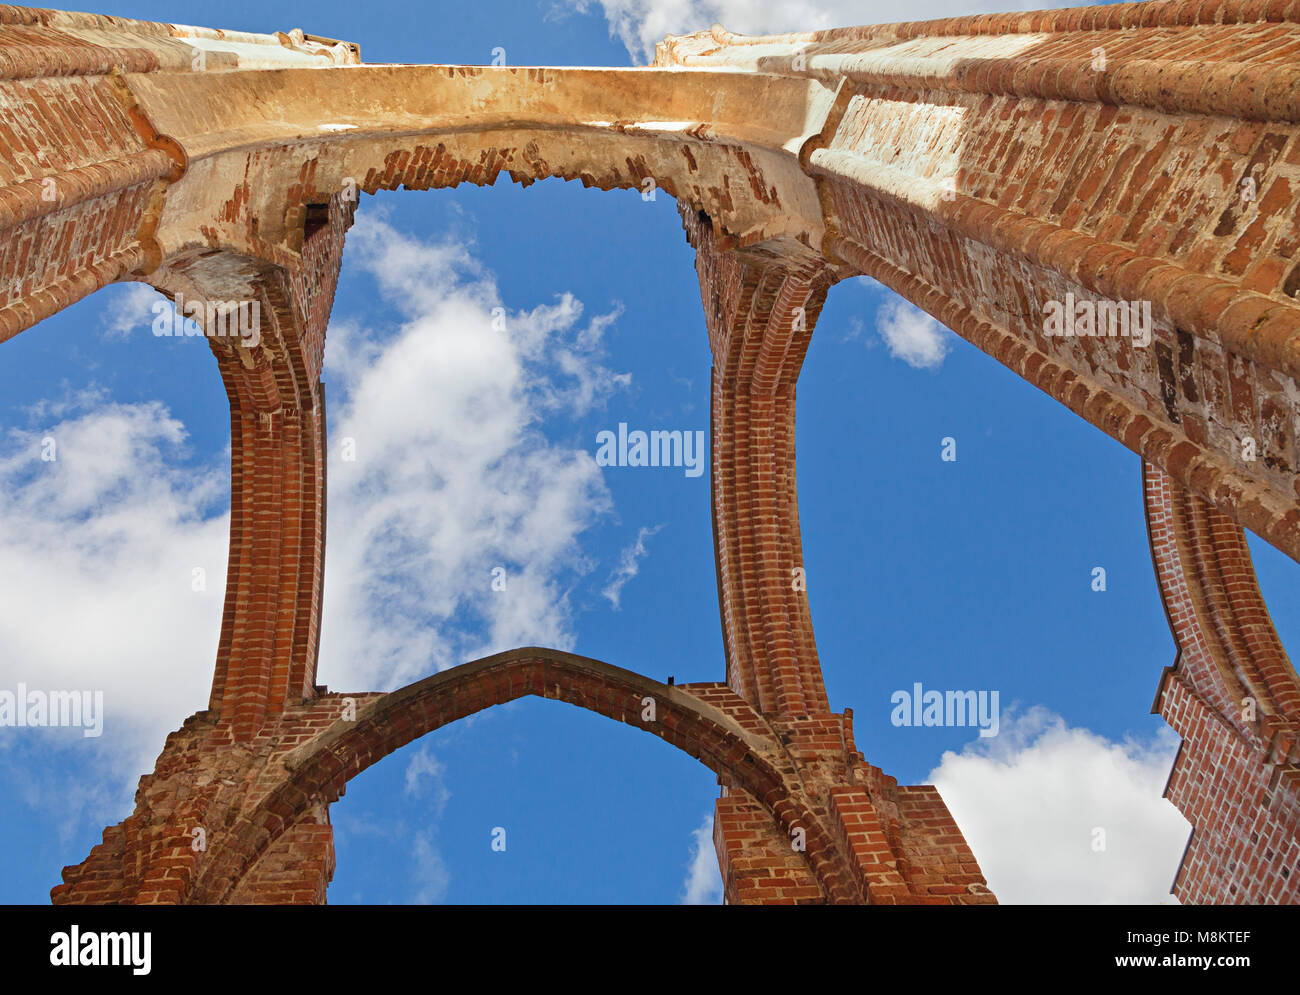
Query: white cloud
[453, 477]
[425, 767]
[629, 565]
[97, 561]
[638, 24]
[912, 335]
[425, 876]
[703, 885]
[1030, 800]
[129, 309]
[430, 875]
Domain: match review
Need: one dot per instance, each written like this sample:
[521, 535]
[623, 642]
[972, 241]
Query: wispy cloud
[703, 885]
[129, 309]
[912, 335]
[629, 565]
[459, 521]
[430, 875]
[425, 773]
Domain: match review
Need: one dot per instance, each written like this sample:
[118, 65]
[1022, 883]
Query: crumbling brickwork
[983, 167]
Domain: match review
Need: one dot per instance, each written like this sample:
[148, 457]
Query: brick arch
[735, 746]
[255, 166]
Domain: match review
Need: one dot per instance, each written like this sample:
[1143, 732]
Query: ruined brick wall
[981, 167]
[192, 811]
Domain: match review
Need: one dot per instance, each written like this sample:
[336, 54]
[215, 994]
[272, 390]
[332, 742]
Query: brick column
[1234, 697]
[760, 318]
[881, 843]
[270, 634]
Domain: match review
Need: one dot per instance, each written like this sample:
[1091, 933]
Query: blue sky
[476, 449]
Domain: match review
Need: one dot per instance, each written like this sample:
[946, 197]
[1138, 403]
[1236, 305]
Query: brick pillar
[84, 178]
[270, 634]
[886, 844]
[1234, 697]
[760, 317]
